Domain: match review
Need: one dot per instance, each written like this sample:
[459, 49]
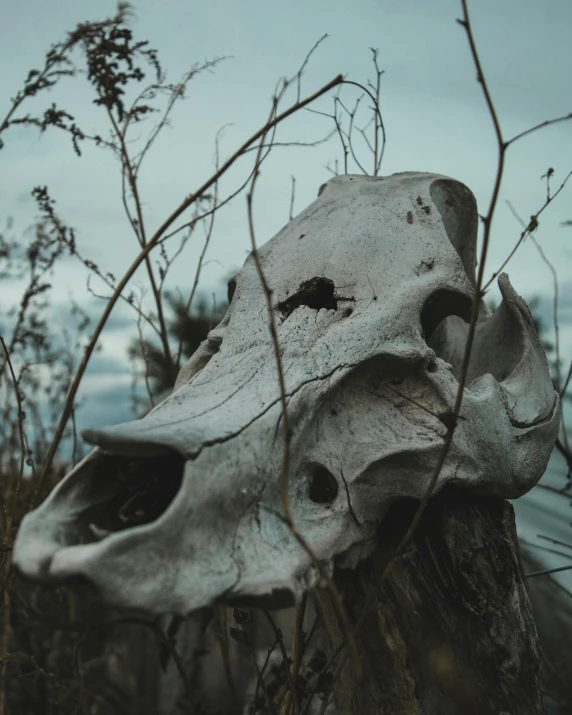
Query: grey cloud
[104, 407]
[102, 364]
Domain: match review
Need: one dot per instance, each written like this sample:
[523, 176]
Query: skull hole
[440, 305]
[323, 486]
[316, 293]
[130, 492]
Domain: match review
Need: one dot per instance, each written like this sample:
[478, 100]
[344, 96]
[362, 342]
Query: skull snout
[104, 495]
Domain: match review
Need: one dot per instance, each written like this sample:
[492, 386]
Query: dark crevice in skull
[440, 305]
[316, 293]
[323, 486]
[130, 492]
[231, 287]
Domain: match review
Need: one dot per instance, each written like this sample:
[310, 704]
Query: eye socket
[323, 487]
[440, 305]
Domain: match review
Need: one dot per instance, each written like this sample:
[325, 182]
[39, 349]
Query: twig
[74, 438]
[487, 223]
[350, 130]
[176, 92]
[284, 477]
[298, 75]
[532, 226]
[546, 123]
[285, 659]
[547, 571]
[139, 229]
[260, 679]
[8, 534]
[297, 645]
[378, 118]
[337, 650]
[145, 356]
[554, 541]
[556, 336]
[83, 701]
[221, 617]
[208, 236]
[545, 548]
[297, 648]
[530, 231]
[183, 206]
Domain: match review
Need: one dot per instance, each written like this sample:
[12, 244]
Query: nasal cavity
[323, 486]
[129, 492]
[316, 293]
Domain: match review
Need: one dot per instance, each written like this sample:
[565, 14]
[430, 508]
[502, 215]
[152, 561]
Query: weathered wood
[451, 629]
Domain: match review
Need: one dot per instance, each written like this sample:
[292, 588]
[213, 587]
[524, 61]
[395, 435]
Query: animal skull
[372, 287]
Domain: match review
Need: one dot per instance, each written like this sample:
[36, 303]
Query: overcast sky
[433, 109]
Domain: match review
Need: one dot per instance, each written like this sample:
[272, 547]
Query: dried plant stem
[221, 618]
[183, 206]
[260, 679]
[139, 229]
[487, 224]
[145, 356]
[5, 637]
[536, 127]
[555, 541]
[286, 429]
[556, 337]
[285, 660]
[6, 604]
[298, 642]
[297, 653]
[532, 226]
[10, 520]
[200, 263]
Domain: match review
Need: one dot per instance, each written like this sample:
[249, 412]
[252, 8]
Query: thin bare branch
[23, 450]
[286, 430]
[139, 228]
[555, 541]
[556, 336]
[183, 206]
[532, 226]
[542, 125]
[285, 659]
[544, 572]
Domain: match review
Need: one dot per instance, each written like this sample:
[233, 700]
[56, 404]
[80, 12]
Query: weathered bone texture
[372, 286]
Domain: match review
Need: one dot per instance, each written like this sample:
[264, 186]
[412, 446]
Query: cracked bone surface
[372, 287]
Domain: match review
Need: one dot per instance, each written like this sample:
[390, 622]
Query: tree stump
[450, 630]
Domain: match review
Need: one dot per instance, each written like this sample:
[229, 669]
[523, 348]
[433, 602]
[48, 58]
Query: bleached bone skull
[371, 287]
